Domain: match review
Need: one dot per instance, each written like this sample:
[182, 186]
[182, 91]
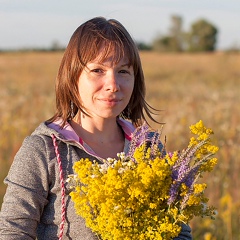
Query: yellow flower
[125, 199]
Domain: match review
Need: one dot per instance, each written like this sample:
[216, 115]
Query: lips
[110, 101]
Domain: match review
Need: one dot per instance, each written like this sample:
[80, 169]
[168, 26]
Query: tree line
[202, 37]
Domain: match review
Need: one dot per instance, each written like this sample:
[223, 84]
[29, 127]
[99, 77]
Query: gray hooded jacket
[32, 203]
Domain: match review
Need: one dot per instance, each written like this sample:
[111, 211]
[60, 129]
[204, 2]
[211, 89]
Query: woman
[99, 84]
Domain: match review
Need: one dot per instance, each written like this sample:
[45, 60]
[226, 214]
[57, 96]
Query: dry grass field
[186, 87]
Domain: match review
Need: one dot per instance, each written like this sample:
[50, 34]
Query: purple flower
[182, 172]
[191, 176]
[138, 137]
[145, 135]
[173, 192]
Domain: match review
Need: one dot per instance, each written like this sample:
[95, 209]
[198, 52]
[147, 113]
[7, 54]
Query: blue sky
[38, 23]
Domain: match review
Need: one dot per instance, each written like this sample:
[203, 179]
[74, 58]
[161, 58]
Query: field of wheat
[186, 87]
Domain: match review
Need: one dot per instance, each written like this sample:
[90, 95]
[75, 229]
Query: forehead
[111, 53]
[111, 59]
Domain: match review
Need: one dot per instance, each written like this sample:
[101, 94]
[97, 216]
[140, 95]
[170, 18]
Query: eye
[124, 71]
[97, 70]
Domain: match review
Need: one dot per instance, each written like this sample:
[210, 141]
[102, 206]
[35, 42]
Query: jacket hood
[67, 134]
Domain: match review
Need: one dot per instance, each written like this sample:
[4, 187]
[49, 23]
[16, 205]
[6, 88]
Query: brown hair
[83, 47]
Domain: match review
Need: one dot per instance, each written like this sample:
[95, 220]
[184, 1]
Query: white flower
[121, 170]
[103, 168]
[130, 163]
[128, 211]
[72, 178]
[121, 155]
[116, 208]
[110, 160]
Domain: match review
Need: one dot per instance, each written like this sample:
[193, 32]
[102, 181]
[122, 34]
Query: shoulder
[30, 167]
[35, 145]
[32, 151]
[36, 141]
[40, 140]
[36, 149]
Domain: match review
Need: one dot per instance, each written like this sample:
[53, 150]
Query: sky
[40, 23]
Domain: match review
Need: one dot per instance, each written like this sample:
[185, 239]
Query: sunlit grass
[186, 87]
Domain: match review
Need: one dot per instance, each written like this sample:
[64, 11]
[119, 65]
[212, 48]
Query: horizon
[39, 24]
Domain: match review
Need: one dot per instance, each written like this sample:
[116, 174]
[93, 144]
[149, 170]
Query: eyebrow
[126, 64]
[101, 64]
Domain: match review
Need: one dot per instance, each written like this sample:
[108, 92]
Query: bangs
[101, 45]
[108, 47]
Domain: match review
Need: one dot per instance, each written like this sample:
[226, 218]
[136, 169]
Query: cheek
[83, 92]
[131, 86]
[129, 92]
[131, 89]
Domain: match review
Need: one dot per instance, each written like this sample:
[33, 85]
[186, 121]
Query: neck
[100, 130]
[104, 136]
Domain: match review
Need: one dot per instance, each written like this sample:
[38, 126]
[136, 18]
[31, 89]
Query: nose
[112, 82]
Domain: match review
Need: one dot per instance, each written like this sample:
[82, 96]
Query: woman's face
[106, 88]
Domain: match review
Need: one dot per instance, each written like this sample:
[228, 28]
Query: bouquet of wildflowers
[146, 193]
